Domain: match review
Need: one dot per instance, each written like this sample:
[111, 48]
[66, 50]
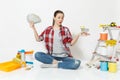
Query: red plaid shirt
[47, 36]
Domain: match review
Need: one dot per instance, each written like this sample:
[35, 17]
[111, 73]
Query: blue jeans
[64, 62]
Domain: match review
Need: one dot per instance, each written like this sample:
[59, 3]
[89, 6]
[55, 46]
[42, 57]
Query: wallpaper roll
[33, 18]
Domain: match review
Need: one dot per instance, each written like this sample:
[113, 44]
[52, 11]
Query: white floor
[37, 73]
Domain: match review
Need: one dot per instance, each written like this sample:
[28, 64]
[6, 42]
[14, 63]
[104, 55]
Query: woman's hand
[77, 37]
[31, 24]
[83, 34]
[35, 31]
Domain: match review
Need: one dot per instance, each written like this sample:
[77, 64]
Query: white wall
[15, 33]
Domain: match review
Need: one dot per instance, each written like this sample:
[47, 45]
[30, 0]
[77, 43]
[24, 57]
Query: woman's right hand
[31, 24]
[35, 31]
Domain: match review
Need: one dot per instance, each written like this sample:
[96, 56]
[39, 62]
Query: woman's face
[59, 19]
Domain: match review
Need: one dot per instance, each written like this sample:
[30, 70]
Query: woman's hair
[55, 14]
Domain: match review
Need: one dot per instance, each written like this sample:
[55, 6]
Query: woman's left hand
[84, 34]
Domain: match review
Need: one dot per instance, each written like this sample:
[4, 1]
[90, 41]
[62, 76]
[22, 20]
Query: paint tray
[9, 66]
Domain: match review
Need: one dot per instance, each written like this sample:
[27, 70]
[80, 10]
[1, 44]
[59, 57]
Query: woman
[57, 40]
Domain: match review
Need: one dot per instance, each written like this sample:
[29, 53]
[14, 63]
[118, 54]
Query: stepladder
[106, 55]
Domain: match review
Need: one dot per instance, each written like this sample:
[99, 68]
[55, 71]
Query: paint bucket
[112, 67]
[104, 65]
[103, 36]
[29, 58]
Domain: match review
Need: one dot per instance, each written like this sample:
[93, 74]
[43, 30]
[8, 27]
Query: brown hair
[55, 14]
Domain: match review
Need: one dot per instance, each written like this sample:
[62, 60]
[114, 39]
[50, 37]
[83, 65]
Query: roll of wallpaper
[33, 18]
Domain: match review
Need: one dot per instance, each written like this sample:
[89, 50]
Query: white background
[15, 33]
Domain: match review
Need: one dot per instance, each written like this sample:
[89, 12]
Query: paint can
[112, 67]
[104, 65]
[29, 58]
[103, 36]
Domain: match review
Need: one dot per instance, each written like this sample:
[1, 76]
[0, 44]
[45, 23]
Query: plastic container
[9, 66]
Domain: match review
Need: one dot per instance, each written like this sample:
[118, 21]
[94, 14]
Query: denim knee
[38, 55]
[76, 64]
[43, 57]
